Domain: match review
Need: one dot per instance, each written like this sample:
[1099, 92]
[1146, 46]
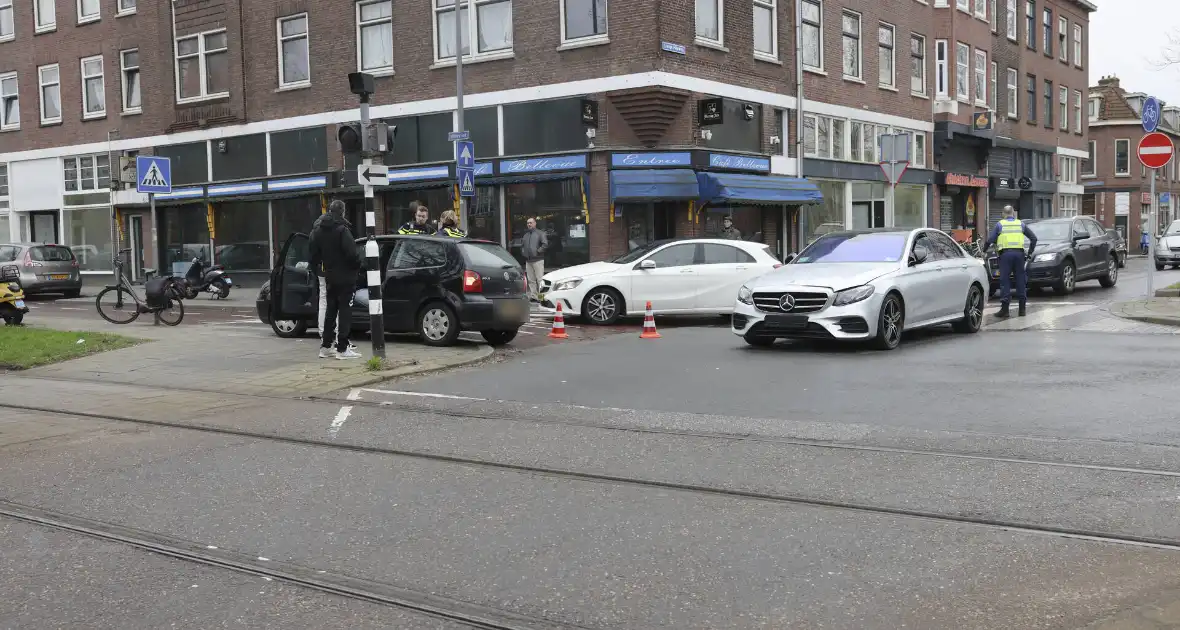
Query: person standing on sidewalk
[335, 256]
[1011, 236]
[532, 246]
[322, 290]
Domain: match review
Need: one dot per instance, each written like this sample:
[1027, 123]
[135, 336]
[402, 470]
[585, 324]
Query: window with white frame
[981, 9]
[886, 74]
[491, 21]
[1077, 111]
[813, 34]
[838, 126]
[585, 20]
[981, 77]
[374, 36]
[94, 93]
[294, 54]
[710, 18]
[941, 78]
[7, 21]
[1047, 25]
[1077, 45]
[1011, 26]
[49, 79]
[918, 154]
[1068, 168]
[817, 136]
[1093, 108]
[44, 15]
[1013, 93]
[1063, 107]
[766, 29]
[202, 66]
[962, 71]
[88, 11]
[129, 71]
[1089, 165]
[850, 31]
[993, 93]
[3, 181]
[1068, 205]
[9, 102]
[87, 172]
[963, 5]
[1122, 157]
[917, 64]
[126, 7]
[1062, 44]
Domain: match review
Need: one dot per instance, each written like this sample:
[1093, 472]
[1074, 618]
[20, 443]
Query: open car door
[293, 285]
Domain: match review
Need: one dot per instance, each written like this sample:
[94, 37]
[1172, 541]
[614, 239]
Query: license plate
[60, 276]
[513, 308]
[19, 303]
[787, 322]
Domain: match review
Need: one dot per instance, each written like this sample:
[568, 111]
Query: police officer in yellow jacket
[1010, 237]
[448, 225]
[420, 224]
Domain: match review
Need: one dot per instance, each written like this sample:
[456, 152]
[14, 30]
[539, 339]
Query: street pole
[155, 248]
[1151, 230]
[372, 252]
[892, 213]
[459, 99]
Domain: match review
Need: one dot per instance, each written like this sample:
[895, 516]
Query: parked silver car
[865, 285]
[41, 268]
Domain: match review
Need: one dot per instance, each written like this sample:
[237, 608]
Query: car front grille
[804, 302]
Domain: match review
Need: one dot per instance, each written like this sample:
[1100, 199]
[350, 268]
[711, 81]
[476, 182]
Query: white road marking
[392, 392]
[72, 308]
[342, 415]
[1040, 316]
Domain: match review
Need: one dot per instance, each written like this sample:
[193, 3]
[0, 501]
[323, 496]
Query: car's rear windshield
[487, 255]
[51, 253]
[1052, 230]
[855, 248]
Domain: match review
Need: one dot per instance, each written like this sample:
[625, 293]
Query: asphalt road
[1008, 479]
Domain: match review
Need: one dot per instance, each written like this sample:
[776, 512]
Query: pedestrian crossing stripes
[153, 178]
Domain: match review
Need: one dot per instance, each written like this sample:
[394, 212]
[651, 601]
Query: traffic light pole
[459, 100]
[372, 252]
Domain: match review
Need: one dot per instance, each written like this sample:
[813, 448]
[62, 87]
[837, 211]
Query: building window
[1013, 93]
[374, 36]
[1089, 164]
[49, 78]
[9, 104]
[94, 94]
[202, 66]
[1063, 107]
[837, 139]
[3, 183]
[963, 5]
[44, 15]
[584, 20]
[1077, 111]
[813, 37]
[1062, 45]
[992, 16]
[1048, 96]
[850, 26]
[491, 22]
[919, 152]
[1122, 157]
[1012, 17]
[917, 64]
[132, 95]
[941, 79]
[855, 130]
[765, 29]
[1047, 25]
[1030, 23]
[981, 77]
[1077, 45]
[994, 93]
[981, 9]
[87, 172]
[823, 137]
[1068, 205]
[294, 54]
[886, 76]
[126, 7]
[1031, 97]
[7, 25]
[962, 71]
[88, 11]
[710, 16]
[1068, 167]
[1093, 108]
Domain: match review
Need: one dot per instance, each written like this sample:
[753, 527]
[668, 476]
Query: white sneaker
[351, 346]
[327, 353]
[348, 354]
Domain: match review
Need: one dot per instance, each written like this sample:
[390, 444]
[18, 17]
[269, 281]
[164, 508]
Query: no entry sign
[1156, 150]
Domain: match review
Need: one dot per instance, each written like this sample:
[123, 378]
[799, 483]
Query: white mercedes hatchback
[865, 285]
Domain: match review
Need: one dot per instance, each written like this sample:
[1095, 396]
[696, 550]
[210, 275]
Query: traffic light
[349, 136]
[385, 135]
[381, 137]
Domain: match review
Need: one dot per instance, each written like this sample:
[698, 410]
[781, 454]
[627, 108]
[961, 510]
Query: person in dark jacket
[448, 225]
[421, 222]
[334, 257]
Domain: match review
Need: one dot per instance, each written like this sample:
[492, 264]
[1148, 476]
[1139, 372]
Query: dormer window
[1093, 108]
[1136, 103]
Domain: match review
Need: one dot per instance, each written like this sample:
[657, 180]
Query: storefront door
[868, 214]
[45, 227]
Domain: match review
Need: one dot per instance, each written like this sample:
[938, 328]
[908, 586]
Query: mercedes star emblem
[787, 302]
[507, 276]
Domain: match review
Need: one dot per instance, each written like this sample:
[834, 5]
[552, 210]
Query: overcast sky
[1127, 36]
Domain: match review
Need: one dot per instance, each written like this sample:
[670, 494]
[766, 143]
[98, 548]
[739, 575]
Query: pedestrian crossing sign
[153, 174]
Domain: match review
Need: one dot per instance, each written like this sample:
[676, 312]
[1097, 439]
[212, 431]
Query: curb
[483, 354]
[1149, 319]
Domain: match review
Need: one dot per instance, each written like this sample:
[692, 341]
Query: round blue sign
[1151, 114]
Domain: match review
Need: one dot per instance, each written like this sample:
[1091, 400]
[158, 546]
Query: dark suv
[435, 287]
[1069, 250]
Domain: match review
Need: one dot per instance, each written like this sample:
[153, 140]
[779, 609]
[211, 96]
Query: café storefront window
[242, 235]
[747, 220]
[397, 206]
[483, 214]
[818, 219]
[88, 234]
[294, 215]
[557, 206]
[909, 206]
[184, 235]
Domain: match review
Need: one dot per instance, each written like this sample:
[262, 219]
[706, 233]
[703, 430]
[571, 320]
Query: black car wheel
[1112, 273]
[1159, 266]
[1122, 260]
[498, 337]
[602, 306]
[1068, 278]
[288, 328]
[72, 293]
[438, 325]
[972, 313]
[890, 323]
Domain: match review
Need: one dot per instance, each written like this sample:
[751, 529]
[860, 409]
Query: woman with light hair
[448, 225]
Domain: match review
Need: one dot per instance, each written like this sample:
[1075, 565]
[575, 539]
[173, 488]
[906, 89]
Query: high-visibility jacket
[414, 228]
[452, 232]
[1011, 235]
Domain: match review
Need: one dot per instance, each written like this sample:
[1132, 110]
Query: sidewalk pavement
[238, 300]
[215, 359]
[1159, 310]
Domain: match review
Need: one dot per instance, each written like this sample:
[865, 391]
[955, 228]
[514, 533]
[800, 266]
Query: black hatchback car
[435, 287]
[1069, 250]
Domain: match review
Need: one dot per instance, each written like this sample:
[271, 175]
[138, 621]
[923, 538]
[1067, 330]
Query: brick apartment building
[1117, 185]
[590, 114]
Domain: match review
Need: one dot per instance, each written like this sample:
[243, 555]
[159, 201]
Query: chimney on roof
[1110, 81]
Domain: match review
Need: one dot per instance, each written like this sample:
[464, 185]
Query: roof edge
[1085, 4]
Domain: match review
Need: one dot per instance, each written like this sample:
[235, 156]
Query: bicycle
[119, 313]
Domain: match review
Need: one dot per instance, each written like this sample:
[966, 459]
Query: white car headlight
[853, 295]
[566, 285]
[745, 295]
[1045, 257]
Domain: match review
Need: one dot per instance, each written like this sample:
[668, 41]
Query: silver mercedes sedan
[865, 285]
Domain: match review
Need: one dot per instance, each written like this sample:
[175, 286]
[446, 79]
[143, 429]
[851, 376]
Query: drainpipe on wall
[798, 88]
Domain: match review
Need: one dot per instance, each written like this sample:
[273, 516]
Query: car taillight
[472, 283]
[524, 283]
[74, 263]
[28, 259]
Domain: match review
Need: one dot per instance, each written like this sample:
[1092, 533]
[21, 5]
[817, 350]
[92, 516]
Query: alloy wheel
[1068, 277]
[975, 308]
[1113, 266]
[435, 324]
[892, 321]
[601, 306]
[285, 326]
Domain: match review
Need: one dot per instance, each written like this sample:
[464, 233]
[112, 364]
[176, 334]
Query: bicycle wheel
[172, 314]
[119, 306]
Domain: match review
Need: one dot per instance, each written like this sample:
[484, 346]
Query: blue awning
[653, 185]
[757, 189]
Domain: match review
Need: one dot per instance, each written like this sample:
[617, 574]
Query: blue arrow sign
[465, 154]
[1151, 114]
[153, 174]
[466, 181]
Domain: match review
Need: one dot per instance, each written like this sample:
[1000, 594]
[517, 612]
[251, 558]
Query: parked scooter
[12, 304]
[201, 279]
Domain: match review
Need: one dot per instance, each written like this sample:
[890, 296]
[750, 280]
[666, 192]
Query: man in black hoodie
[334, 257]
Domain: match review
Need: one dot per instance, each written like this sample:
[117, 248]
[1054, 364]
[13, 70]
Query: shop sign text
[969, 181]
[560, 163]
[738, 162]
[651, 159]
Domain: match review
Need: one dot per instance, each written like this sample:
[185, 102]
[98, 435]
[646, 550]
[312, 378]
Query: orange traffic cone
[649, 325]
[558, 330]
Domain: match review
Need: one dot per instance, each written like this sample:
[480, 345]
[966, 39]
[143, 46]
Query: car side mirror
[789, 257]
[301, 265]
[647, 264]
[919, 256]
[1080, 237]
